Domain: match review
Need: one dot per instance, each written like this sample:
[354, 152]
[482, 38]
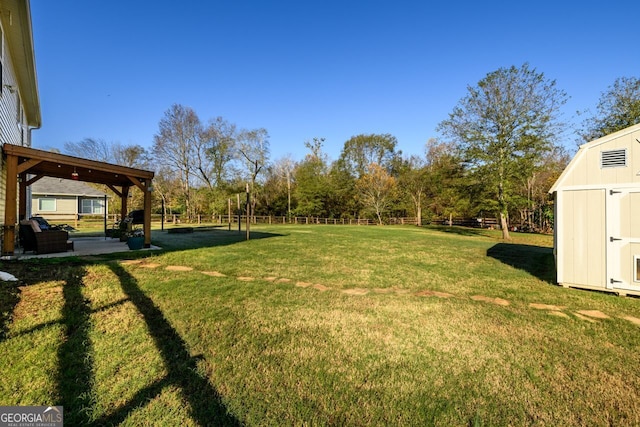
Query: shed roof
[50, 186]
[586, 147]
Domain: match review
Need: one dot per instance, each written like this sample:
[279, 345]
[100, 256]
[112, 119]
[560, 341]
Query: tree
[360, 151]
[618, 108]
[217, 151]
[175, 145]
[376, 189]
[511, 115]
[312, 186]
[282, 173]
[132, 156]
[253, 150]
[90, 148]
[413, 181]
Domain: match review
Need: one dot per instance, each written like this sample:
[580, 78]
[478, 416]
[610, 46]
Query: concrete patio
[84, 246]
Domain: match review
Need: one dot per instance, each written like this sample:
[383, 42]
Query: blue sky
[304, 69]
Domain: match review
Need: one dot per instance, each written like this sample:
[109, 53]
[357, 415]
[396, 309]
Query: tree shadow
[461, 231]
[9, 298]
[535, 260]
[206, 406]
[75, 363]
[205, 238]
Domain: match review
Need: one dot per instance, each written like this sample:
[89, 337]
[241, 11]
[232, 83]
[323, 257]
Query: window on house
[46, 204]
[92, 206]
[636, 268]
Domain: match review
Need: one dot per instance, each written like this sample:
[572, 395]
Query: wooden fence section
[176, 219]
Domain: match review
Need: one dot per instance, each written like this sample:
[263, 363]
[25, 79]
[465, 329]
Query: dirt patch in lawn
[355, 291]
[246, 278]
[150, 265]
[178, 268]
[539, 306]
[593, 313]
[303, 284]
[632, 319]
[321, 288]
[214, 274]
[496, 301]
[428, 293]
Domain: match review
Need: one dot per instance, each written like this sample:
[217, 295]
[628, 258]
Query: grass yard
[319, 325]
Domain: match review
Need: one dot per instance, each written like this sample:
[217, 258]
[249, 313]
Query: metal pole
[229, 214]
[162, 216]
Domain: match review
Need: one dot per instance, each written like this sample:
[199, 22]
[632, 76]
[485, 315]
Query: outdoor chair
[33, 238]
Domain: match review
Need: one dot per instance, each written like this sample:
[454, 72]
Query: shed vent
[613, 158]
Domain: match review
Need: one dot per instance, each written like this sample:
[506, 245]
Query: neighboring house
[597, 215]
[65, 199]
[19, 101]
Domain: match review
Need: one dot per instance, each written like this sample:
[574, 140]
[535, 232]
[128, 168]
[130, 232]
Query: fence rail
[175, 219]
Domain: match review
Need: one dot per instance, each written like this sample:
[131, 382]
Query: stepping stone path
[149, 265]
[497, 301]
[355, 291]
[178, 268]
[593, 313]
[434, 294]
[553, 310]
[214, 274]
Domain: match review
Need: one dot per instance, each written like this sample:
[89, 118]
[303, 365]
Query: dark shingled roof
[49, 186]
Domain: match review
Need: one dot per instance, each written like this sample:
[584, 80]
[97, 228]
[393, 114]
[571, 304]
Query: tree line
[498, 155]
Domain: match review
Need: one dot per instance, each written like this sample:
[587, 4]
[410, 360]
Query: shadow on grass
[461, 231]
[206, 406]
[204, 239]
[535, 260]
[75, 377]
[9, 298]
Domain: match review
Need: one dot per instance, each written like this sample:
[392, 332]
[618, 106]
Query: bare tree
[284, 169]
[253, 150]
[176, 143]
[90, 148]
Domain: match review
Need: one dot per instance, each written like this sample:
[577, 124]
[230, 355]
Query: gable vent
[613, 158]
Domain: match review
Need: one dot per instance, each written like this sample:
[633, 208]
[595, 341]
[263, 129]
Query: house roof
[586, 147]
[16, 23]
[49, 186]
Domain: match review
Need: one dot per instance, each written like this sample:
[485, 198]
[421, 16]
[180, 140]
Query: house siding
[12, 121]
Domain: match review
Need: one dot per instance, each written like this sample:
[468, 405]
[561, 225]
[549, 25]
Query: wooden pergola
[22, 162]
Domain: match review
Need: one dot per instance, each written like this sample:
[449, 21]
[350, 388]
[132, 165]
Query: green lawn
[319, 325]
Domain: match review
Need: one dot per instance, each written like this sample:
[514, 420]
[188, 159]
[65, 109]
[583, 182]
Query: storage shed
[597, 215]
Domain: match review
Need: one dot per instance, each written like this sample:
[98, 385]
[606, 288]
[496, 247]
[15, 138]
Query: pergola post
[9, 235]
[147, 213]
[22, 198]
[124, 199]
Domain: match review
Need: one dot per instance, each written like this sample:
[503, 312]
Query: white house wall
[12, 130]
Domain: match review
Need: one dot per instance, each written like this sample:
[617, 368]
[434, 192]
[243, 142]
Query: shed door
[623, 239]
